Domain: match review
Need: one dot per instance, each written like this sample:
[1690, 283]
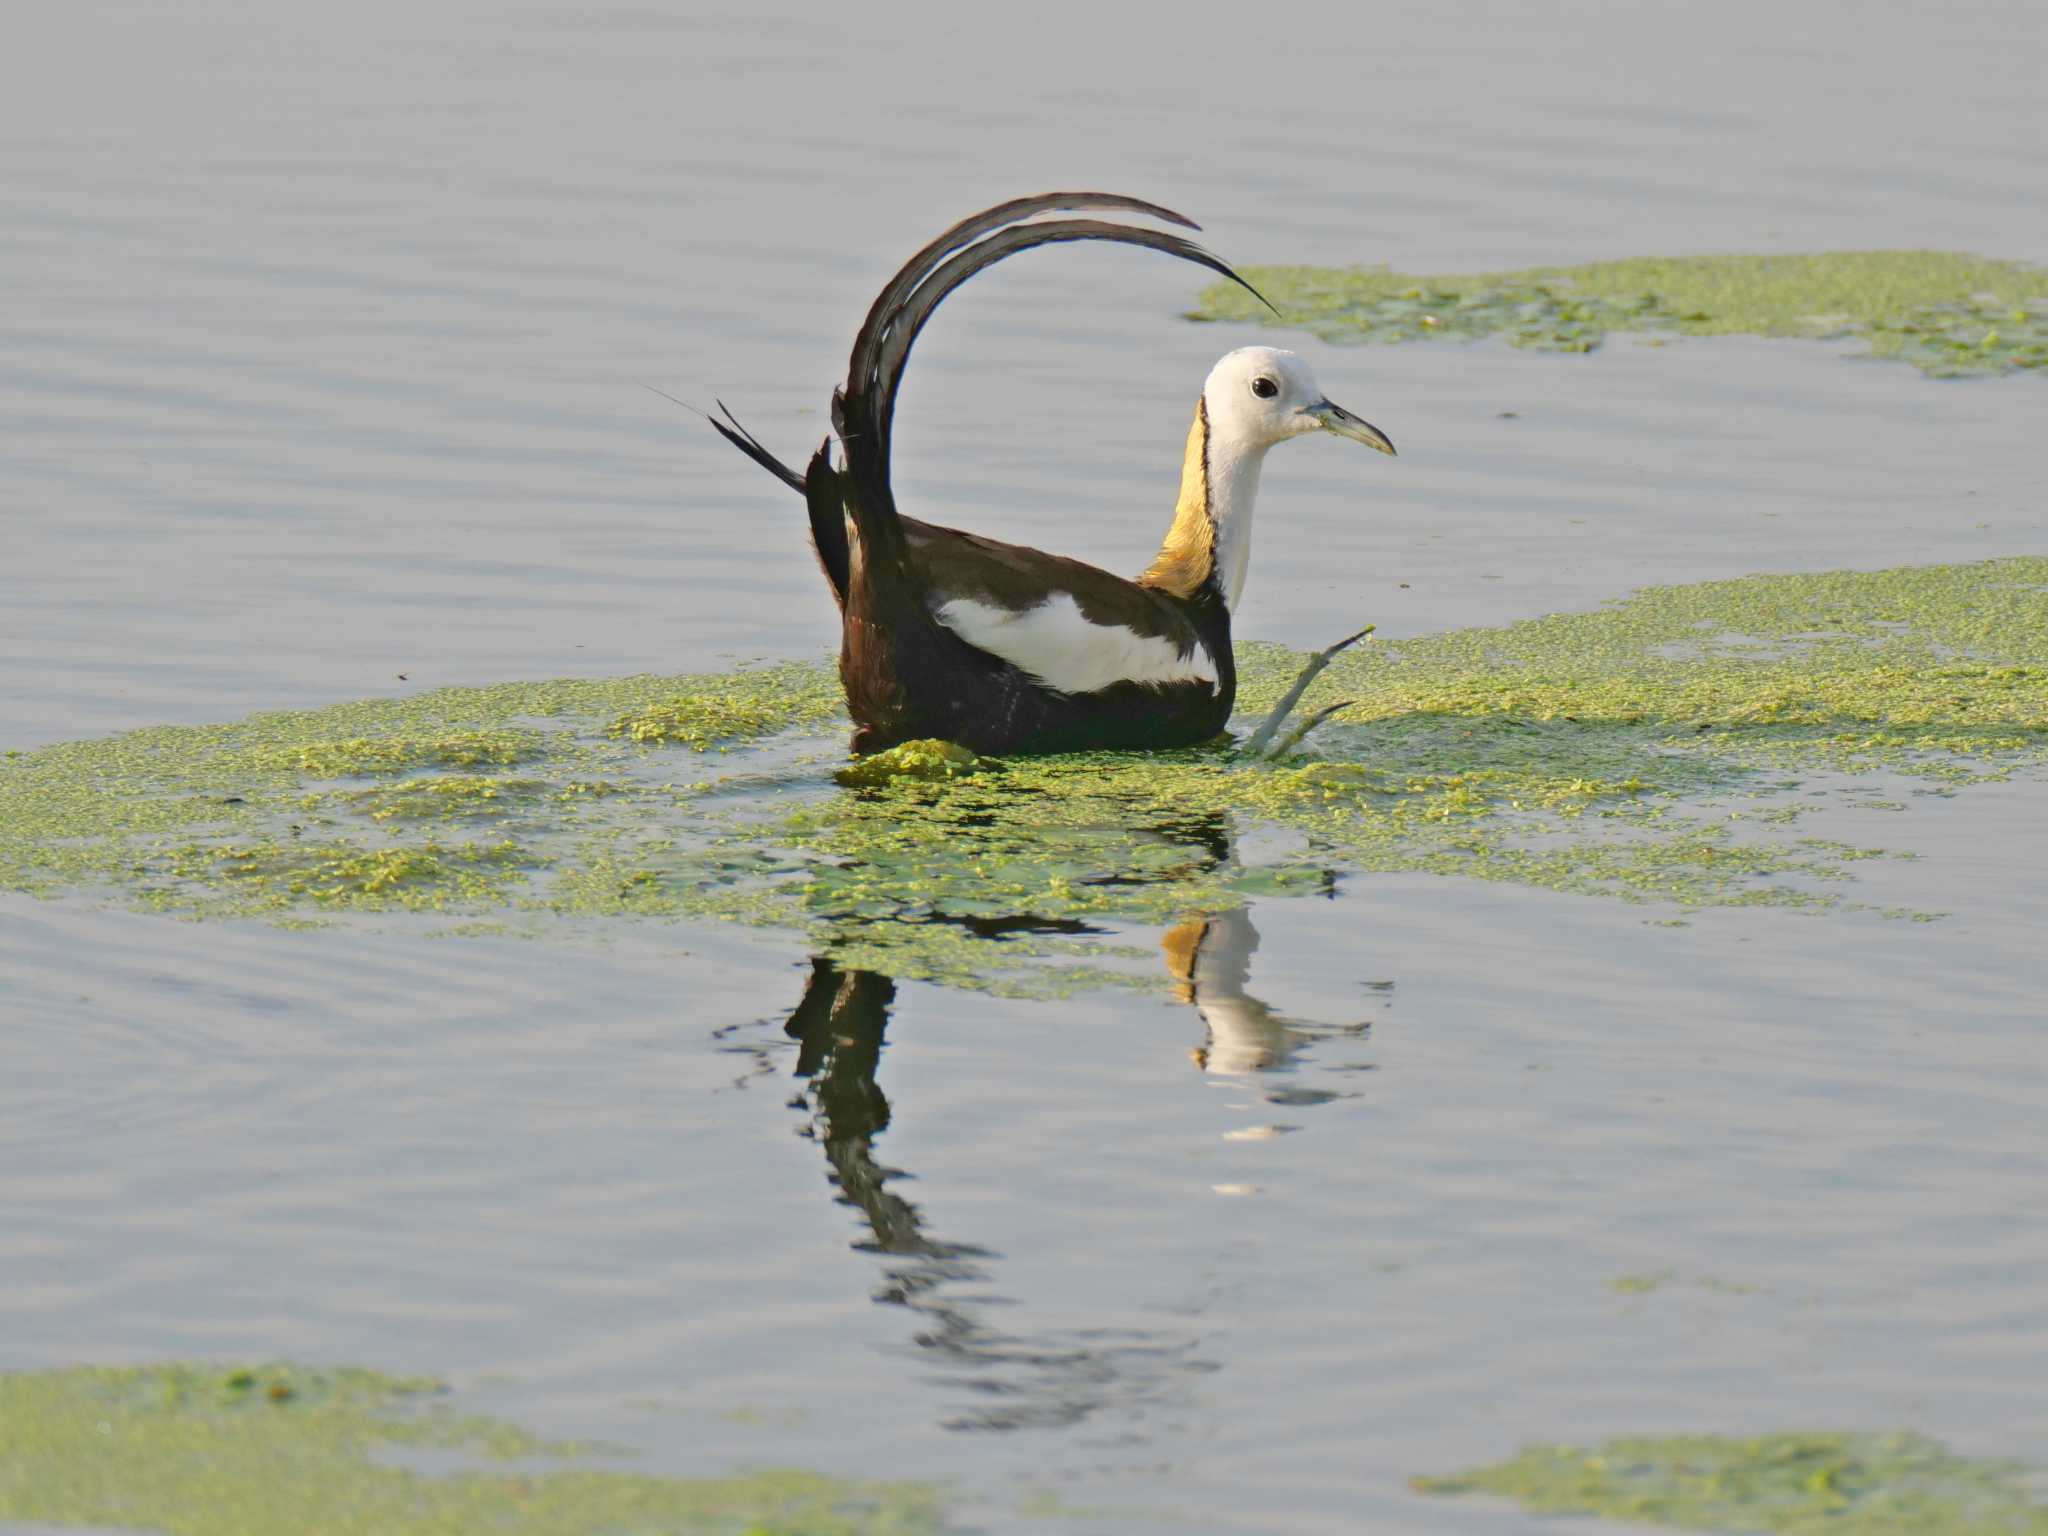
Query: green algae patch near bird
[1001, 648]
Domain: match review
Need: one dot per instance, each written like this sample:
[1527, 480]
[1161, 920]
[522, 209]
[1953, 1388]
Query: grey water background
[323, 338]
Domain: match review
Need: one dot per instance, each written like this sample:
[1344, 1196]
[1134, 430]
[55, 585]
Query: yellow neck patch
[1182, 942]
[1189, 554]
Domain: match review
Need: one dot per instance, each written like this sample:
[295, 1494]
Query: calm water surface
[322, 352]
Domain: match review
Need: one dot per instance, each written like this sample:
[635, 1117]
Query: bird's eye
[1265, 389]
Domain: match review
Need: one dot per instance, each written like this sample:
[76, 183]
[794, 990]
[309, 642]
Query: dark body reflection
[1040, 1379]
[838, 1028]
[1029, 1381]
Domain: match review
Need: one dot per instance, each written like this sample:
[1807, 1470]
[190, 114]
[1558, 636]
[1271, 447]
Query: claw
[1256, 746]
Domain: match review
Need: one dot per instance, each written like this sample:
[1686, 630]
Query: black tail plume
[915, 270]
[972, 228]
[864, 413]
[750, 445]
[912, 314]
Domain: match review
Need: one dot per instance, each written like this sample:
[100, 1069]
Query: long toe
[1270, 726]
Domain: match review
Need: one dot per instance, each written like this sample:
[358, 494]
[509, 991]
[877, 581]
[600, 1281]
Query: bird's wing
[1074, 627]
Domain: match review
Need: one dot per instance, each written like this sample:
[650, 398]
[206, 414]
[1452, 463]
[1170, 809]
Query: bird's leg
[1293, 737]
[1256, 746]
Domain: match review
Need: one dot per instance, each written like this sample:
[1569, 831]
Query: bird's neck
[1211, 537]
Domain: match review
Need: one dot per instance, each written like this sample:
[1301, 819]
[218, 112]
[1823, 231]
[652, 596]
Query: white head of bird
[1253, 398]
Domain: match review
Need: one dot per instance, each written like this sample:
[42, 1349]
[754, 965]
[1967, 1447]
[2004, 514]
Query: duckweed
[195, 1450]
[914, 760]
[1945, 313]
[728, 712]
[467, 797]
[361, 756]
[1642, 1282]
[1980, 334]
[1665, 750]
[275, 877]
[1843, 1484]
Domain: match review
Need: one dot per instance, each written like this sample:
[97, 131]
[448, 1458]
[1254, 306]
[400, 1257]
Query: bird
[1002, 648]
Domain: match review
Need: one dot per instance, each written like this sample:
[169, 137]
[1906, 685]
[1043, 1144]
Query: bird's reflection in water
[838, 1028]
[1046, 1379]
[1210, 958]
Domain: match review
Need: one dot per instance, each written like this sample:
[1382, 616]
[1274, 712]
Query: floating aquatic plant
[339, 874]
[722, 712]
[1664, 750]
[1795, 1484]
[359, 756]
[195, 1450]
[1981, 334]
[1947, 314]
[915, 760]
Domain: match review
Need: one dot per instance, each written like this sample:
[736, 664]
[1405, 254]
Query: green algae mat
[1949, 315]
[203, 1451]
[1667, 750]
[1796, 1484]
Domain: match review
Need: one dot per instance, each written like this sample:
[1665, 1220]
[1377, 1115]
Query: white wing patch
[1060, 648]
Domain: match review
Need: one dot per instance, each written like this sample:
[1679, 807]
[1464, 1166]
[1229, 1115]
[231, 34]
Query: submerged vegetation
[1946, 314]
[1664, 750]
[1795, 1484]
[202, 1451]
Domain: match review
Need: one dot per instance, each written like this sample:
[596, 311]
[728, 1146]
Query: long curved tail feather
[865, 407]
[972, 228]
[909, 320]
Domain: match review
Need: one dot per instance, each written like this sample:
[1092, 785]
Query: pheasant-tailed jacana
[1003, 648]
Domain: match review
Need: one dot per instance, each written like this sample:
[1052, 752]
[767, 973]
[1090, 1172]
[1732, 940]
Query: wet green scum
[194, 1450]
[1947, 314]
[1796, 1484]
[1667, 750]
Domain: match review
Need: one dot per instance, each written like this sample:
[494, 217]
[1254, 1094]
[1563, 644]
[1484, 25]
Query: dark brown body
[907, 679]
